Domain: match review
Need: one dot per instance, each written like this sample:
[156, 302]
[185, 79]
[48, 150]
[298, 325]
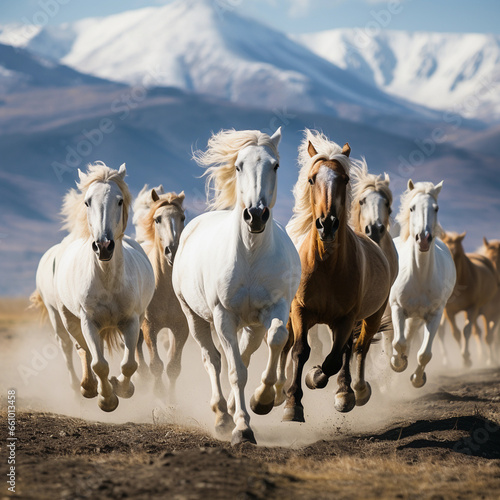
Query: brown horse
[491, 311]
[345, 275]
[475, 287]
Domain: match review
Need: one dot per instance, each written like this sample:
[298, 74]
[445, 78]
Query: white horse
[426, 276]
[236, 268]
[162, 227]
[97, 282]
[141, 207]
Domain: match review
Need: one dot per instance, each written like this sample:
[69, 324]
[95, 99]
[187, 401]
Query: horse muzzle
[327, 228]
[104, 249]
[256, 218]
[424, 241]
[375, 232]
[170, 252]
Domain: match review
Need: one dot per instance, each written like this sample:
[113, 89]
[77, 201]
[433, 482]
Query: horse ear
[462, 236]
[438, 187]
[122, 170]
[411, 186]
[387, 178]
[181, 196]
[311, 150]
[485, 241]
[161, 189]
[346, 150]
[154, 195]
[276, 137]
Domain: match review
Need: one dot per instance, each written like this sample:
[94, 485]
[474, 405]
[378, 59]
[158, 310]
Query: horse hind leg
[470, 320]
[490, 327]
[142, 367]
[345, 399]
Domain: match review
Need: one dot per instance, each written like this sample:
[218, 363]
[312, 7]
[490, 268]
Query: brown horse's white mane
[363, 183]
[403, 217]
[74, 212]
[219, 160]
[147, 223]
[302, 219]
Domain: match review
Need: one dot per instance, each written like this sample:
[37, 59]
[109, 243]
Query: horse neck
[462, 265]
[423, 261]
[252, 243]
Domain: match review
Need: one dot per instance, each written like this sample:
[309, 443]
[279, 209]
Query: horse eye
[238, 168]
[87, 203]
[412, 208]
[183, 218]
[311, 181]
[158, 219]
[346, 179]
[120, 203]
[436, 208]
[390, 210]
[276, 166]
[361, 202]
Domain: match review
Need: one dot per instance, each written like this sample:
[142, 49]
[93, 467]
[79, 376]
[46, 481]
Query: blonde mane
[74, 212]
[219, 160]
[147, 223]
[403, 217]
[302, 218]
[362, 183]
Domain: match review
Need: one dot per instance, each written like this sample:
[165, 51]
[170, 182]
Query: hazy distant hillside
[439, 70]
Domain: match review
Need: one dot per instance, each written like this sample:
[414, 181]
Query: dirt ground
[442, 441]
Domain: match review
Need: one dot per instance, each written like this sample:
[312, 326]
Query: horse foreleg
[490, 327]
[424, 355]
[271, 388]
[156, 366]
[108, 400]
[399, 360]
[226, 325]
[345, 399]
[297, 330]
[88, 385]
[316, 344]
[470, 320]
[441, 335]
[122, 385]
[179, 335]
[142, 368]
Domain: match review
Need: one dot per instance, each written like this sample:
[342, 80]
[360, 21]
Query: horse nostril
[265, 214]
[167, 251]
[247, 216]
[417, 237]
[111, 245]
[319, 223]
[381, 229]
[94, 246]
[368, 230]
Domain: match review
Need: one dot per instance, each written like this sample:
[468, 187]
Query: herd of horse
[234, 277]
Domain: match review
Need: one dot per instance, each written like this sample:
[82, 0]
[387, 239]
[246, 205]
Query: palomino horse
[236, 268]
[162, 227]
[345, 276]
[370, 213]
[97, 282]
[426, 276]
[475, 287]
[491, 311]
[141, 207]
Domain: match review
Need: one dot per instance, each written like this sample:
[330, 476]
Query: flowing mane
[74, 212]
[219, 160]
[403, 217]
[147, 223]
[142, 202]
[302, 219]
[364, 182]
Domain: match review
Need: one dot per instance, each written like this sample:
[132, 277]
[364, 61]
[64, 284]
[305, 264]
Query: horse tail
[385, 327]
[38, 303]
[112, 338]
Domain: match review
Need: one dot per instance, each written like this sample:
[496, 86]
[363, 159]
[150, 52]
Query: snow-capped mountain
[459, 72]
[192, 45]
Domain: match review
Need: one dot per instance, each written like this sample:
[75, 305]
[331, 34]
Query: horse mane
[403, 217]
[74, 212]
[302, 218]
[363, 181]
[219, 160]
[147, 224]
[142, 202]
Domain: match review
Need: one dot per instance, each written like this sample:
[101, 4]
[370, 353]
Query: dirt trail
[439, 442]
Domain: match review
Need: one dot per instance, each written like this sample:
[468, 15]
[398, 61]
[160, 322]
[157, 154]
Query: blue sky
[295, 16]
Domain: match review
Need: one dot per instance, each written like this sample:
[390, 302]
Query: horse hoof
[108, 404]
[345, 401]
[293, 414]
[240, 437]
[362, 397]
[418, 383]
[261, 408]
[316, 379]
[125, 392]
[467, 362]
[224, 427]
[399, 364]
[89, 393]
